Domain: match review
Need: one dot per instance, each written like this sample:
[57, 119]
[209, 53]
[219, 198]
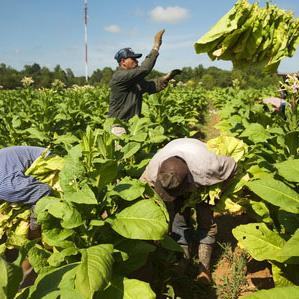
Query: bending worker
[15, 186]
[128, 82]
[185, 165]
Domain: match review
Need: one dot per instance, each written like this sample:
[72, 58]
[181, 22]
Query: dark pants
[182, 230]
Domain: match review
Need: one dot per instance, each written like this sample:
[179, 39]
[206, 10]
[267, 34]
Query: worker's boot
[204, 256]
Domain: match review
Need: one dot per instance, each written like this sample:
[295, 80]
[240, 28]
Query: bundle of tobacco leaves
[251, 35]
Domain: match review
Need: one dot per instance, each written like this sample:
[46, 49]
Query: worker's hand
[158, 39]
[172, 74]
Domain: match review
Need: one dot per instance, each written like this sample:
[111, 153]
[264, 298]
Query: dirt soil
[258, 274]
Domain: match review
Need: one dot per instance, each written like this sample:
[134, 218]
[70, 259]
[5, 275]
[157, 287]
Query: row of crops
[270, 172]
[98, 232]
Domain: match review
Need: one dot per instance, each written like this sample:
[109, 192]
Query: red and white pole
[85, 39]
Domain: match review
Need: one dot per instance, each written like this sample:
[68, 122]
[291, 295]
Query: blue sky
[51, 32]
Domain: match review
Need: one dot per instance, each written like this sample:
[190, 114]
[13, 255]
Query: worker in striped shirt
[15, 186]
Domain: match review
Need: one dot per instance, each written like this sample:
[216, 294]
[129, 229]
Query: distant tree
[154, 74]
[69, 77]
[208, 81]
[46, 77]
[60, 74]
[198, 72]
[9, 77]
[107, 73]
[96, 77]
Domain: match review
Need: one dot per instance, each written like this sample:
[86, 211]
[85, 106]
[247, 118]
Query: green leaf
[10, 278]
[68, 215]
[38, 258]
[57, 258]
[260, 241]
[292, 142]
[144, 220]
[36, 134]
[156, 135]
[94, 272]
[57, 237]
[289, 170]
[129, 189]
[83, 196]
[134, 254]
[124, 288]
[106, 172]
[260, 211]
[279, 277]
[72, 171]
[276, 293]
[130, 149]
[256, 133]
[49, 283]
[170, 244]
[276, 193]
[291, 247]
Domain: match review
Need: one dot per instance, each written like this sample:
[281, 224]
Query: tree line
[209, 78]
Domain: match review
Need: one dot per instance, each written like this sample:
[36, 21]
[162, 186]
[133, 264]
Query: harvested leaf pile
[249, 34]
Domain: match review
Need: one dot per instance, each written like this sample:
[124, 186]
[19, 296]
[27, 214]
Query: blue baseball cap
[126, 53]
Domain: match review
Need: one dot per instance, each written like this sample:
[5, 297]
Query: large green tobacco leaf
[276, 293]
[50, 284]
[69, 216]
[38, 258]
[289, 170]
[130, 149]
[58, 257]
[138, 128]
[94, 272]
[57, 237]
[156, 135]
[227, 24]
[255, 133]
[276, 193]
[73, 170]
[83, 196]
[10, 277]
[133, 254]
[138, 125]
[144, 220]
[260, 241]
[292, 142]
[106, 172]
[128, 189]
[124, 288]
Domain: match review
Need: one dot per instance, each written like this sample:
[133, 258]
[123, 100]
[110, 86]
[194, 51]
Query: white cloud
[112, 28]
[170, 14]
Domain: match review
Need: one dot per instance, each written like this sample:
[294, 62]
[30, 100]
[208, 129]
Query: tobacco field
[102, 229]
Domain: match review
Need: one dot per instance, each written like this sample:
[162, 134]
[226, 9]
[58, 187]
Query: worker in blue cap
[128, 82]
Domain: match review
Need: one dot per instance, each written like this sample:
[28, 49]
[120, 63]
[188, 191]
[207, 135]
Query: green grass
[233, 264]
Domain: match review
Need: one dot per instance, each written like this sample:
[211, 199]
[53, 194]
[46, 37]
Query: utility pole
[85, 39]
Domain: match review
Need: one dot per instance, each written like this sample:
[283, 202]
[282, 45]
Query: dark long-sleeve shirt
[15, 186]
[127, 87]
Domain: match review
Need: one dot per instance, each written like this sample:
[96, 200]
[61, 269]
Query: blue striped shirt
[15, 186]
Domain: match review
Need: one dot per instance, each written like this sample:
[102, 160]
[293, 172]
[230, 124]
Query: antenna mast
[85, 39]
